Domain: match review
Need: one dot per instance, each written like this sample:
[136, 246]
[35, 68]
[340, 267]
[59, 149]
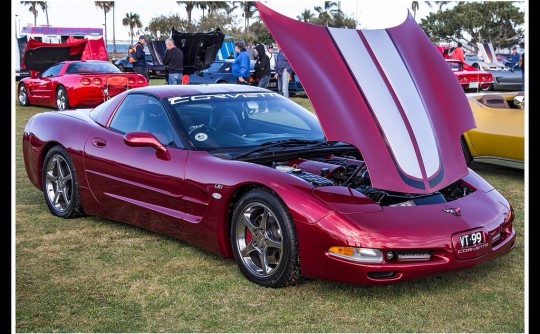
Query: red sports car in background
[470, 78]
[372, 188]
[60, 80]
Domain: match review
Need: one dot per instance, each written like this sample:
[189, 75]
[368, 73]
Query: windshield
[243, 120]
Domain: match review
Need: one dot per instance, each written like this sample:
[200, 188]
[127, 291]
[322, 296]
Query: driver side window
[144, 113]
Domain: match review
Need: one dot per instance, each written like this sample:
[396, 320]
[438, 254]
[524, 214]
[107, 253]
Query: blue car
[220, 71]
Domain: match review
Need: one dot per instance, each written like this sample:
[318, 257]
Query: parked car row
[503, 78]
[220, 71]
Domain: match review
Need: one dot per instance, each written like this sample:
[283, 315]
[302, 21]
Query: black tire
[488, 88]
[262, 231]
[121, 68]
[62, 101]
[466, 152]
[60, 185]
[23, 95]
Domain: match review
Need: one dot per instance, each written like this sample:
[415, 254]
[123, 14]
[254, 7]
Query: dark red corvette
[374, 190]
[61, 81]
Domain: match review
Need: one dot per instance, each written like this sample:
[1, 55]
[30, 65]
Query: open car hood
[199, 49]
[487, 52]
[388, 92]
[39, 56]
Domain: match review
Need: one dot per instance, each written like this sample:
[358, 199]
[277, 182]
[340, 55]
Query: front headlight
[361, 255]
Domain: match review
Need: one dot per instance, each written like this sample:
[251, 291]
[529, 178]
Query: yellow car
[499, 134]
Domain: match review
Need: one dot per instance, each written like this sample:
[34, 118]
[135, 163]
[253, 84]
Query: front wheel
[263, 239]
[60, 185]
[62, 101]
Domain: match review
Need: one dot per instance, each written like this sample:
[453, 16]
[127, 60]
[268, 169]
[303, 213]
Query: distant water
[120, 47]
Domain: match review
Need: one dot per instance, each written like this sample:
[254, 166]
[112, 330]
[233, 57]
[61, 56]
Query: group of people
[265, 61]
[173, 61]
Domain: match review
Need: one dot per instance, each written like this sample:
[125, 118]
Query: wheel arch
[41, 159]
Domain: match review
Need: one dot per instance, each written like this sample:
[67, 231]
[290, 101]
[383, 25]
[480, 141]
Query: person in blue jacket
[240, 67]
[140, 65]
[514, 59]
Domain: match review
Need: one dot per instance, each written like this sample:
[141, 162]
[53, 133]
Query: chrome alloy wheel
[59, 183]
[259, 240]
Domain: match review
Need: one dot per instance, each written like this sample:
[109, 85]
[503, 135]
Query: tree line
[498, 22]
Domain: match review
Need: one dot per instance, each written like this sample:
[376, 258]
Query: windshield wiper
[282, 143]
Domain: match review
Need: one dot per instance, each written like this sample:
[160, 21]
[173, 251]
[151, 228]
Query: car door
[138, 184]
[43, 87]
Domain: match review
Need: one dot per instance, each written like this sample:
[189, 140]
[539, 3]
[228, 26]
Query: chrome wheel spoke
[246, 251]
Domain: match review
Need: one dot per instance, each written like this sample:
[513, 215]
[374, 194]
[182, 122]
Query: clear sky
[84, 13]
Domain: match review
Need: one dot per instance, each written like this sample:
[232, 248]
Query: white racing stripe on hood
[382, 103]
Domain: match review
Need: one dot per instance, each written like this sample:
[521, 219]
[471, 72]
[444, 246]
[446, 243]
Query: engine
[353, 173]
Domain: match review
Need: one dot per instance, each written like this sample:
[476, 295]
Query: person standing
[514, 59]
[458, 53]
[262, 66]
[270, 54]
[174, 62]
[283, 73]
[241, 65]
[521, 64]
[140, 65]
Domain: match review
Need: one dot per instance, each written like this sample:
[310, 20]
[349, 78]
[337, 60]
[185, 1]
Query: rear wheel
[23, 95]
[121, 68]
[263, 239]
[60, 185]
[62, 102]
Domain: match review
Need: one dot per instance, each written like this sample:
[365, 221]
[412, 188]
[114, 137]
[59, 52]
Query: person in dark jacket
[241, 65]
[140, 65]
[262, 66]
[174, 62]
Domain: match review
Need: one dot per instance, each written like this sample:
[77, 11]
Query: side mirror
[146, 139]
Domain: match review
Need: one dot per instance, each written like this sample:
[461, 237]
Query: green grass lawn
[96, 275]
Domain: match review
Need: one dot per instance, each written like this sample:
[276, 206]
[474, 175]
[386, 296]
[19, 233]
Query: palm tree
[213, 6]
[306, 16]
[189, 7]
[203, 5]
[106, 6]
[132, 20]
[248, 9]
[326, 13]
[33, 9]
[416, 5]
[441, 4]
